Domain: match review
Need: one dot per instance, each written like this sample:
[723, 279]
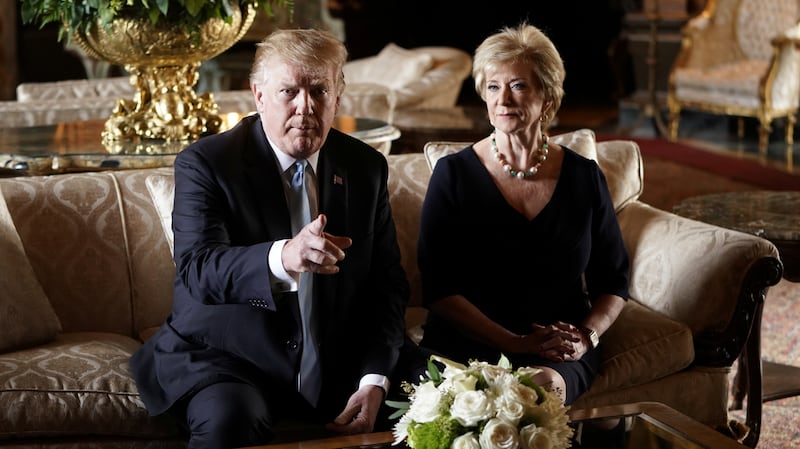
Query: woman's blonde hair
[527, 44]
[317, 51]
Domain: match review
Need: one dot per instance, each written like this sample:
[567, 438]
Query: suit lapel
[263, 174]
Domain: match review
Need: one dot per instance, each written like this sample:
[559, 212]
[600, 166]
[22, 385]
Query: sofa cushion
[26, 316]
[161, 187]
[621, 162]
[641, 346]
[407, 183]
[394, 67]
[79, 384]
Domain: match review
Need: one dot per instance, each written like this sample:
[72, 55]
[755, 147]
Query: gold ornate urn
[163, 61]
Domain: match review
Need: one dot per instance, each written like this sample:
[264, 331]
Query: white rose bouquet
[481, 406]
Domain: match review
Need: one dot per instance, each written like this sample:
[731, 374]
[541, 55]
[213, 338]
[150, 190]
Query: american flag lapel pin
[337, 180]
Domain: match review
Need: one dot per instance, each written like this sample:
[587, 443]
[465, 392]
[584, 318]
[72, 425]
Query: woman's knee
[552, 381]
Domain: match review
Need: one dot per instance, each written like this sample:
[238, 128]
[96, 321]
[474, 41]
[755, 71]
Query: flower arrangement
[187, 14]
[481, 406]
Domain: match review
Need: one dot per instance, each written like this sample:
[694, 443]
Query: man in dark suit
[228, 360]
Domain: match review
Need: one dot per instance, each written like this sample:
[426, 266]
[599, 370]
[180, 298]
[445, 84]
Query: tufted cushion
[161, 188]
[26, 316]
[393, 67]
[78, 384]
[641, 346]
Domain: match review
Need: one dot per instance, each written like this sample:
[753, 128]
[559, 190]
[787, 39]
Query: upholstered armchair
[398, 79]
[740, 58]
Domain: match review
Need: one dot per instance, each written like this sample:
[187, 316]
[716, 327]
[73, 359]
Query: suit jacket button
[292, 344]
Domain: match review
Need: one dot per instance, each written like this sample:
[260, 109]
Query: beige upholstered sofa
[87, 274]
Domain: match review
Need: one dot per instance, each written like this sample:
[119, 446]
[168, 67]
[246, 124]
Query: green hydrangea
[437, 434]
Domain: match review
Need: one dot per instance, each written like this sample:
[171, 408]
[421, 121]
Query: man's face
[297, 106]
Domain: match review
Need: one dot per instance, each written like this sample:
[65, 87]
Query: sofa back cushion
[408, 181]
[94, 241]
[26, 316]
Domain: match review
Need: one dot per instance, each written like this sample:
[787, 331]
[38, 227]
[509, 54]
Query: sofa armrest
[711, 278]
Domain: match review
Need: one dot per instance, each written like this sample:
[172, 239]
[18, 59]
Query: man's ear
[257, 94]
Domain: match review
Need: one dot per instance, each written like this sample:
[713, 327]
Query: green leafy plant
[188, 14]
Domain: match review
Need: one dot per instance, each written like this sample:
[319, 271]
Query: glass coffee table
[649, 425]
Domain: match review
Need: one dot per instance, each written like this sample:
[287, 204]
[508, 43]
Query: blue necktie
[309, 380]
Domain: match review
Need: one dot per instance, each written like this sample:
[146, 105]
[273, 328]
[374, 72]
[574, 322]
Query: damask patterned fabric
[78, 384]
[26, 316]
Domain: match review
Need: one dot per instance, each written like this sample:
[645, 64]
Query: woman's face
[513, 97]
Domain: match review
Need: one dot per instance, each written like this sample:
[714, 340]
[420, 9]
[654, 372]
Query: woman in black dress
[520, 249]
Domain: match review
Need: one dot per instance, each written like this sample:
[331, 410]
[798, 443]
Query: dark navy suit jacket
[226, 323]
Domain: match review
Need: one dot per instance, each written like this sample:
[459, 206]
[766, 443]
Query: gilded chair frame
[783, 68]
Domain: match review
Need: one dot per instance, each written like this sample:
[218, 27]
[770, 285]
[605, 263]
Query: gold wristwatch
[594, 339]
